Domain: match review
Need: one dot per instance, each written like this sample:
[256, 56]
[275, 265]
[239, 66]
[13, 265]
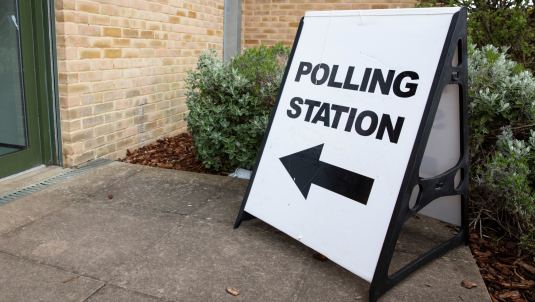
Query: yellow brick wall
[270, 21]
[121, 68]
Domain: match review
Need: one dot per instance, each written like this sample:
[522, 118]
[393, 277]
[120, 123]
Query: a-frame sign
[348, 131]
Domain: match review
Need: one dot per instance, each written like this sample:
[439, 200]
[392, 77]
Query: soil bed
[508, 273]
[177, 153]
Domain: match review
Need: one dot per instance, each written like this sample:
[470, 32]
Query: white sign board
[343, 131]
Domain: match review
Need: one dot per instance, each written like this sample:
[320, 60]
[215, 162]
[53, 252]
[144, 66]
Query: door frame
[45, 56]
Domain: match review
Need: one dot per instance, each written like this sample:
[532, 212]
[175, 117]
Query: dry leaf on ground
[468, 284]
[71, 279]
[233, 291]
[320, 257]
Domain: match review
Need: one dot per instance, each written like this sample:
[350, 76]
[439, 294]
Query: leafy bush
[500, 93]
[502, 188]
[230, 103]
[501, 23]
[502, 143]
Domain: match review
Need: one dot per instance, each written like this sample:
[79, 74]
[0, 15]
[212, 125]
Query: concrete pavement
[167, 236]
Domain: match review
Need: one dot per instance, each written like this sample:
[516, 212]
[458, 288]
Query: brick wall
[270, 21]
[121, 68]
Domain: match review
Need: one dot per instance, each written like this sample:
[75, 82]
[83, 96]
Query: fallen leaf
[468, 284]
[110, 196]
[320, 257]
[71, 279]
[233, 291]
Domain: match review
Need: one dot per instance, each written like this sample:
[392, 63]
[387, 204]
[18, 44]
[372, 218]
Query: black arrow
[306, 169]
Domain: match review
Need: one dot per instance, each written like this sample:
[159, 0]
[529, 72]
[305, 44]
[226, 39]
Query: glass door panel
[13, 136]
[19, 127]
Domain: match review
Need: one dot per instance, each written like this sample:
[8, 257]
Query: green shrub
[229, 104]
[502, 143]
[500, 23]
[502, 190]
[500, 93]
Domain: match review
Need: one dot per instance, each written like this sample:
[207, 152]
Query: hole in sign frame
[413, 202]
[458, 60]
[458, 180]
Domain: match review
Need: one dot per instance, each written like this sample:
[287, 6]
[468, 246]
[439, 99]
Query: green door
[20, 147]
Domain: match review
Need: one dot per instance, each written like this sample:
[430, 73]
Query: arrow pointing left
[306, 169]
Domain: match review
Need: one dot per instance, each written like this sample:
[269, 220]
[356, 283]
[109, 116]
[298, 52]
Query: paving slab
[26, 210]
[97, 181]
[440, 280]
[166, 190]
[199, 260]
[164, 236]
[224, 207]
[22, 280]
[90, 239]
[419, 235]
[77, 189]
[327, 281]
[110, 293]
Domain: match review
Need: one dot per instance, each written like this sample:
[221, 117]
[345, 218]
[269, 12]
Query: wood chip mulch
[177, 153]
[508, 274]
